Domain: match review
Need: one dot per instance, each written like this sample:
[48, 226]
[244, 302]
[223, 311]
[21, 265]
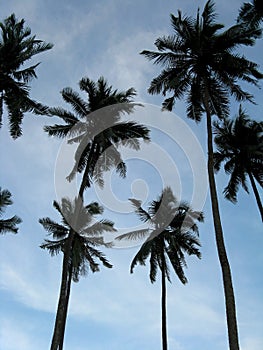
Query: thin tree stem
[255, 190]
[58, 334]
[66, 307]
[163, 297]
[222, 254]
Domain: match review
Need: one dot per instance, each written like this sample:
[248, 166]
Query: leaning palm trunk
[222, 254]
[62, 309]
[63, 326]
[163, 297]
[253, 184]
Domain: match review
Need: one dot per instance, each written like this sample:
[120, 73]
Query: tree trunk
[62, 309]
[163, 297]
[63, 323]
[222, 254]
[253, 184]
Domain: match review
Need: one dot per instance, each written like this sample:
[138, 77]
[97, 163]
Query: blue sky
[113, 309]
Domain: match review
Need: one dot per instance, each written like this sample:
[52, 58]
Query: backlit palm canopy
[16, 48]
[171, 230]
[7, 225]
[88, 235]
[199, 62]
[95, 126]
[240, 148]
[251, 13]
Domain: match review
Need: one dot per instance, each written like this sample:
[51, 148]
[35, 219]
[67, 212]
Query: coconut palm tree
[200, 62]
[88, 236]
[16, 48]
[7, 225]
[96, 127]
[172, 233]
[251, 13]
[239, 145]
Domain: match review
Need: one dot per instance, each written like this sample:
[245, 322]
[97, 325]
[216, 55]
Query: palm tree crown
[96, 127]
[199, 60]
[172, 230]
[16, 48]
[7, 225]
[240, 147]
[88, 235]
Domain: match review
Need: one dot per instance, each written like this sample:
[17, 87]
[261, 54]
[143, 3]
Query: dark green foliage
[240, 147]
[88, 235]
[199, 57]
[172, 231]
[17, 46]
[7, 225]
[251, 13]
[96, 127]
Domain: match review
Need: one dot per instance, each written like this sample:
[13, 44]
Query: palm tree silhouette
[239, 145]
[172, 232]
[88, 235]
[200, 62]
[16, 48]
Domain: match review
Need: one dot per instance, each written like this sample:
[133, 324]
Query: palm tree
[251, 13]
[239, 145]
[88, 236]
[16, 48]
[200, 62]
[172, 232]
[7, 225]
[96, 127]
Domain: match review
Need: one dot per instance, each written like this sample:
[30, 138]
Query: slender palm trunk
[163, 301]
[222, 254]
[63, 326]
[58, 334]
[254, 186]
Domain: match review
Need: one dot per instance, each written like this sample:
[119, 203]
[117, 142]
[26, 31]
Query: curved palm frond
[7, 225]
[17, 47]
[87, 235]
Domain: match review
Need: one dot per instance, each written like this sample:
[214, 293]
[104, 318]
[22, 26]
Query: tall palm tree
[200, 62]
[95, 126]
[16, 48]
[239, 145]
[88, 236]
[251, 13]
[172, 232]
[7, 225]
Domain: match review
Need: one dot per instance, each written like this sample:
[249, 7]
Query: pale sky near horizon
[113, 309]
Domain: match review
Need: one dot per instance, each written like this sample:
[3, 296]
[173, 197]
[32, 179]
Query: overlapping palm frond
[171, 230]
[88, 235]
[239, 145]
[199, 55]
[96, 126]
[7, 225]
[17, 47]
